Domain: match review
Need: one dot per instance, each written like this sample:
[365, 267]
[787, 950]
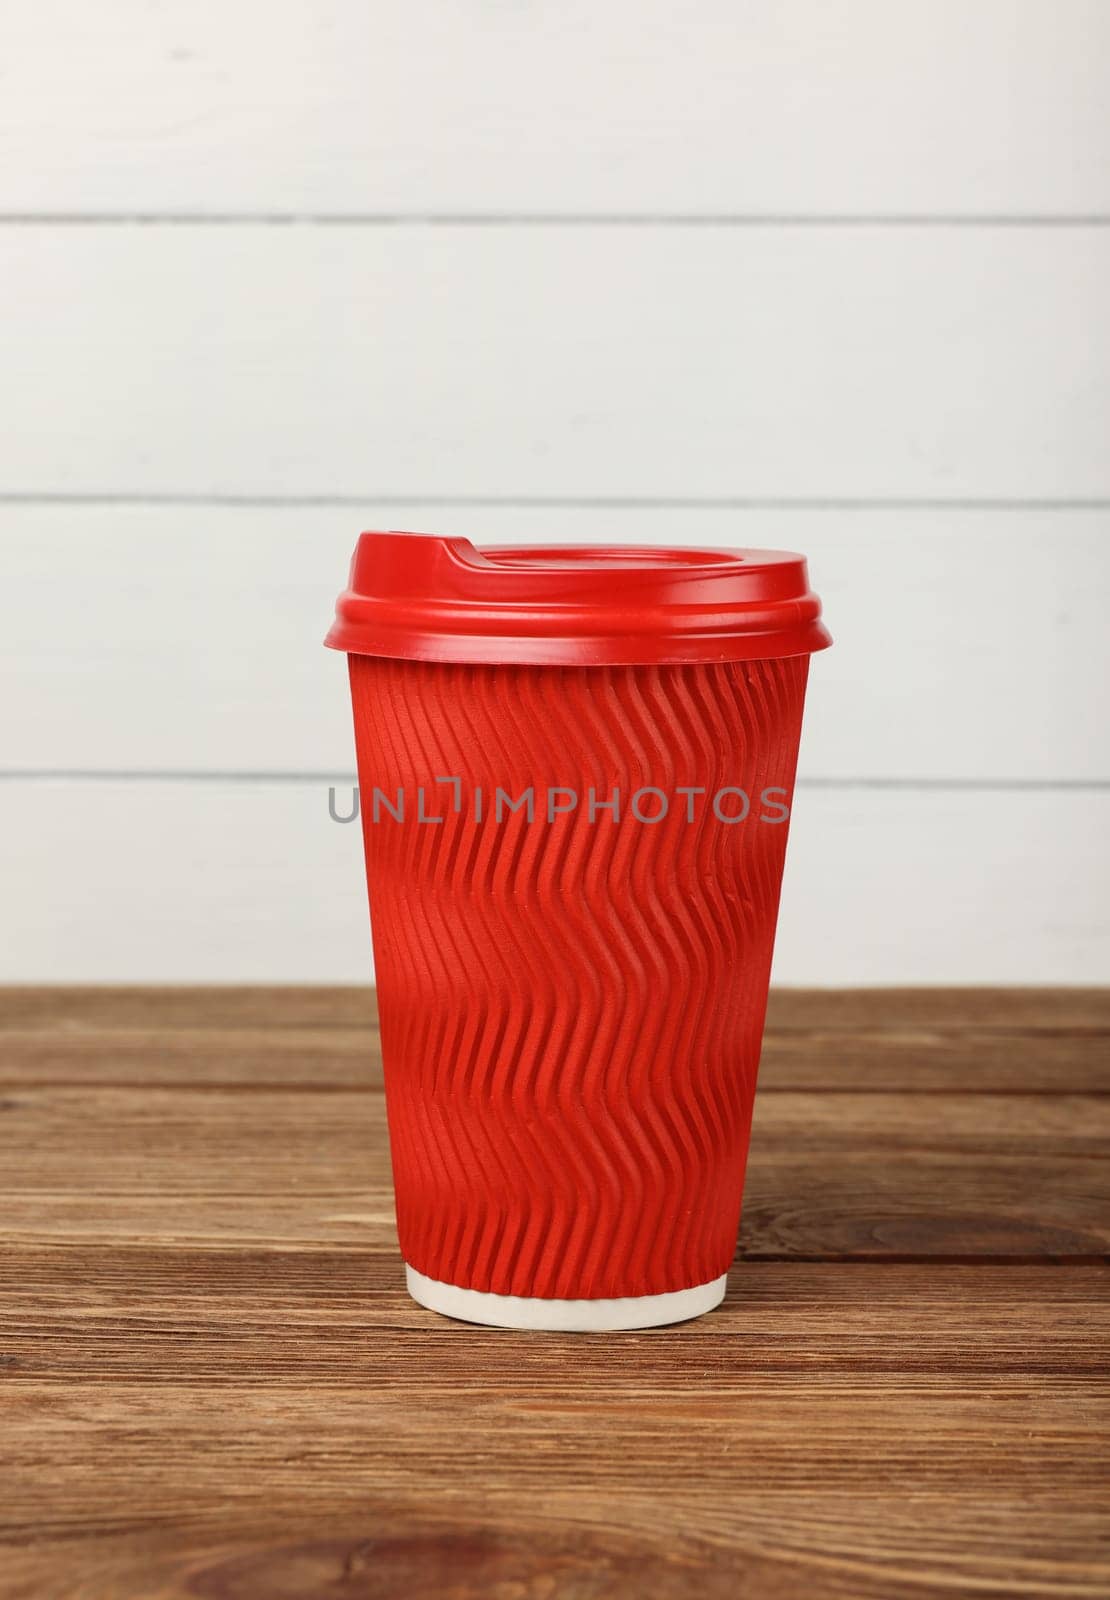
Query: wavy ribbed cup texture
[572, 1009]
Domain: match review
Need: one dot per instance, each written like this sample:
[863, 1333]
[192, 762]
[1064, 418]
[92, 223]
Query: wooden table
[213, 1384]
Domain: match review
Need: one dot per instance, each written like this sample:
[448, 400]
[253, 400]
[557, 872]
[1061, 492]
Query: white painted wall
[830, 277]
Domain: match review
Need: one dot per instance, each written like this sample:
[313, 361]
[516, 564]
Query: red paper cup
[575, 769]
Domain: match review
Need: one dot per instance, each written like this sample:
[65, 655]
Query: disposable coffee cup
[576, 771]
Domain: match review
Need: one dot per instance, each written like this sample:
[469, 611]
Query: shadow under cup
[574, 873]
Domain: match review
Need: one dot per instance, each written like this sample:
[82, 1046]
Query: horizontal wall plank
[180, 882]
[590, 361]
[330, 105]
[186, 638]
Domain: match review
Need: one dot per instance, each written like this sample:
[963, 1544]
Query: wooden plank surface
[851, 1176]
[269, 698]
[213, 1385]
[191, 1011]
[590, 362]
[413, 106]
[900, 1041]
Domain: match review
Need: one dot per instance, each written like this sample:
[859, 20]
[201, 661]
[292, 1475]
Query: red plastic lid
[423, 598]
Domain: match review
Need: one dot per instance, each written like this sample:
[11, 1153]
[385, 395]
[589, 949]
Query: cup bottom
[564, 1316]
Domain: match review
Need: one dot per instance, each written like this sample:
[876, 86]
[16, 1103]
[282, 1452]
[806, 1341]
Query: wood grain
[901, 1041]
[213, 1386]
[191, 1010]
[182, 1313]
[910, 1060]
